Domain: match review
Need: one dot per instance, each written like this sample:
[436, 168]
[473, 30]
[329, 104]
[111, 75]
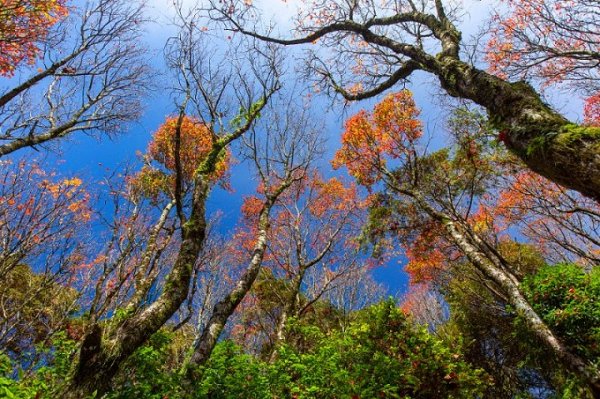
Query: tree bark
[205, 344]
[547, 142]
[510, 286]
[102, 351]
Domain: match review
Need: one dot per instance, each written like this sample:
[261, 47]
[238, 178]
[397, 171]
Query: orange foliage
[515, 200]
[555, 40]
[370, 138]
[332, 195]
[315, 215]
[196, 142]
[23, 25]
[591, 110]
[68, 193]
[425, 254]
[245, 236]
[251, 207]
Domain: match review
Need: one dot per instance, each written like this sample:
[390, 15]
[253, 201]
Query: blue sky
[91, 158]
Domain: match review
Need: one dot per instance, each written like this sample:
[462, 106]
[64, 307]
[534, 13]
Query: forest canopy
[288, 208]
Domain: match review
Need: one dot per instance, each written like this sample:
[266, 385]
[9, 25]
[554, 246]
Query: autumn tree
[425, 304]
[315, 244]
[312, 251]
[256, 323]
[107, 343]
[88, 80]
[463, 305]
[378, 46]
[43, 222]
[313, 271]
[552, 40]
[434, 196]
[281, 149]
[495, 337]
[24, 27]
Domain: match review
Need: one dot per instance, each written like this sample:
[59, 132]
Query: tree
[494, 335]
[24, 26]
[107, 343]
[312, 252]
[437, 192]
[213, 277]
[355, 289]
[89, 79]
[555, 41]
[315, 244]
[43, 222]
[377, 46]
[257, 323]
[281, 159]
[493, 341]
[142, 242]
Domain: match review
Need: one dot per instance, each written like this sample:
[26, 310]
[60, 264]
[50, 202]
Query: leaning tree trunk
[102, 352]
[205, 344]
[551, 146]
[548, 143]
[510, 286]
[290, 309]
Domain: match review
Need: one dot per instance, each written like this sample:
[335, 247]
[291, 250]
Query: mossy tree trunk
[223, 309]
[102, 352]
[547, 142]
[471, 245]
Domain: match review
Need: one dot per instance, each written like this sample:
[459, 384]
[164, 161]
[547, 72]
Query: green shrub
[568, 300]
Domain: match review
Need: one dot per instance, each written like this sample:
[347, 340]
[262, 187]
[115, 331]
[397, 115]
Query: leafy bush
[567, 298]
[380, 355]
[149, 372]
[231, 374]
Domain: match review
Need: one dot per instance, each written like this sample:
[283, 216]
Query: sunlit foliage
[24, 25]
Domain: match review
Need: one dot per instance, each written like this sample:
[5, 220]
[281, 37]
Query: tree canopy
[240, 251]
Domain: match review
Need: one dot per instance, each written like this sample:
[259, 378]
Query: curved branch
[401, 73]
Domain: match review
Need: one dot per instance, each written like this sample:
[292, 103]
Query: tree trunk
[547, 142]
[496, 273]
[290, 308]
[102, 352]
[205, 344]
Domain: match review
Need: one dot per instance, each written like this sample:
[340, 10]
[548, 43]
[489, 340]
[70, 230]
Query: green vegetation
[380, 354]
[567, 299]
